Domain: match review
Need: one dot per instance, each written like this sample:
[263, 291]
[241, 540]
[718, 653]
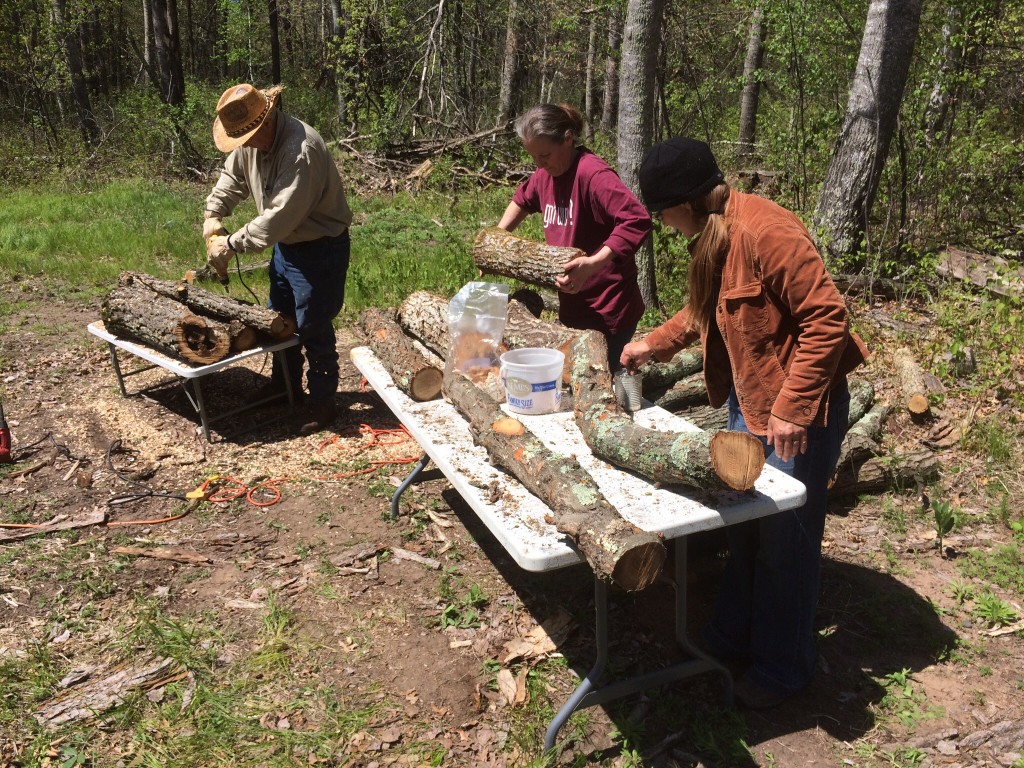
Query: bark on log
[861, 440]
[911, 378]
[707, 418]
[168, 326]
[658, 376]
[697, 459]
[688, 392]
[615, 548]
[203, 302]
[424, 315]
[497, 252]
[884, 473]
[862, 397]
[409, 369]
[522, 329]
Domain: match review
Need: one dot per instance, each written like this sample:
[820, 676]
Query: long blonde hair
[707, 255]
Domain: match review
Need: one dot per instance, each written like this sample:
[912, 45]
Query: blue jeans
[769, 594]
[307, 280]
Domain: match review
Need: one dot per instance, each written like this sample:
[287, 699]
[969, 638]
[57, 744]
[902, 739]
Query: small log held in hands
[697, 459]
[911, 378]
[615, 548]
[424, 315]
[135, 312]
[411, 371]
[207, 303]
[498, 252]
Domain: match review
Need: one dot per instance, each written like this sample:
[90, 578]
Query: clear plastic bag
[476, 322]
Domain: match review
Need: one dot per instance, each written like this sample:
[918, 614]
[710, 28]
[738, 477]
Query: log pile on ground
[188, 322]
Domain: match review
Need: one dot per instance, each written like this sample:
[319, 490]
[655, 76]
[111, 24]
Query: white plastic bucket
[532, 378]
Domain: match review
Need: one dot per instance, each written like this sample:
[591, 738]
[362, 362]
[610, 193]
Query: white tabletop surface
[516, 517]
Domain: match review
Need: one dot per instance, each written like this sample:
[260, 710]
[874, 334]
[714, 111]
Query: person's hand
[577, 272]
[213, 226]
[218, 255]
[788, 438]
[635, 354]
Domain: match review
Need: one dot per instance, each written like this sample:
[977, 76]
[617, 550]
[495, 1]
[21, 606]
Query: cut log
[996, 275]
[532, 300]
[411, 371]
[911, 378]
[242, 336]
[688, 392]
[522, 329]
[901, 470]
[697, 459]
[862, 397]
[659, 376]
[615, 548]
[264, 321]
[707, 418]
[424, 315]
[498, 252]
[861, 440]
[166, 325]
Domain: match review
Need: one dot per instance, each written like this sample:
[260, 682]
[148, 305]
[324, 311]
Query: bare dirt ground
[907, 675]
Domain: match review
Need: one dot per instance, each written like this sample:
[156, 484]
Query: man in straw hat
[302, 213]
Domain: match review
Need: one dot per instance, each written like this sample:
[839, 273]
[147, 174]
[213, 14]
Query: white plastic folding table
[192, 374]
[517, 518]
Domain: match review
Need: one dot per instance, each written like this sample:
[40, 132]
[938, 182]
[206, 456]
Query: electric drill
[222, 275]
[5, 439]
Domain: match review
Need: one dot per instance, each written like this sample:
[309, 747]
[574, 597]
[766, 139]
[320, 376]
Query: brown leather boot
[319, 415]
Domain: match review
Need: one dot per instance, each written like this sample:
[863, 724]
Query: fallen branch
[165, 553]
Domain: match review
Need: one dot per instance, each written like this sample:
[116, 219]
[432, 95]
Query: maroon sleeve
[527, 196]
[614, 205]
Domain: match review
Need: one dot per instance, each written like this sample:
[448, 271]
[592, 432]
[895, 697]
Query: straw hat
[241, 111]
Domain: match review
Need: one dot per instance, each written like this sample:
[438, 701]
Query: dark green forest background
[95, 89]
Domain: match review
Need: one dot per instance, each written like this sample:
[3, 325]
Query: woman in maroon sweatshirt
[585, 205]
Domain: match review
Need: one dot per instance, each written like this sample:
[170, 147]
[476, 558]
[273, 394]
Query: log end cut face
[638, 568]
[737, 458]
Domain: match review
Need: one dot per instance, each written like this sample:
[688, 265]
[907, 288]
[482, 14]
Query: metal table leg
[117, 369]
[420, 466]
[201, 407]
[283, 358]
[589, 694]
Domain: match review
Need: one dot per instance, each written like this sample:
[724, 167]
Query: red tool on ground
[5, 439]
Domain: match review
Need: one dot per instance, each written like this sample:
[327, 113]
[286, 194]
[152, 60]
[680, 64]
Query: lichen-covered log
[911, 377]
[498, 252]
[615, 548]
[688, 392]
[707, 418]
[265, 322]
[883, 473]
[697, 459]
[424, 316]
[409, 369]
[522, 329]
[862, 397]
[861, 440]
[658, 376]
[168, 326]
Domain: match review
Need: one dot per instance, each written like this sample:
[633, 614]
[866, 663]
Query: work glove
[212, 226]
[218, 254]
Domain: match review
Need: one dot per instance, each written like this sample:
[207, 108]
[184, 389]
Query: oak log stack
[499, 252]
[134, 311]
[411, 371]
[267, 323]
[613, 547]
[724, 460]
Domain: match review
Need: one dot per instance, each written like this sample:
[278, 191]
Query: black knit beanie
[677, 171]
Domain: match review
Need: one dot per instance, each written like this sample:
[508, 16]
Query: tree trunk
[709, 462]
[167, 45]
[872, 111]
[915, 394]
[424, 315]
[508, 63]
[615, 548]
[751, 85]
[588, 80]
[135, 312]
[498, 252]
[71, 46]
[409, 369]
[901, 470]
[275, 42]
[266, 322]
[636, 113]
[952, 58]
[336, 30]
[610, 102]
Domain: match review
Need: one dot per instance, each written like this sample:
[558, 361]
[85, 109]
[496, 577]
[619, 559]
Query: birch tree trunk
[636, 112]
[868, 127]
[751, 85]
